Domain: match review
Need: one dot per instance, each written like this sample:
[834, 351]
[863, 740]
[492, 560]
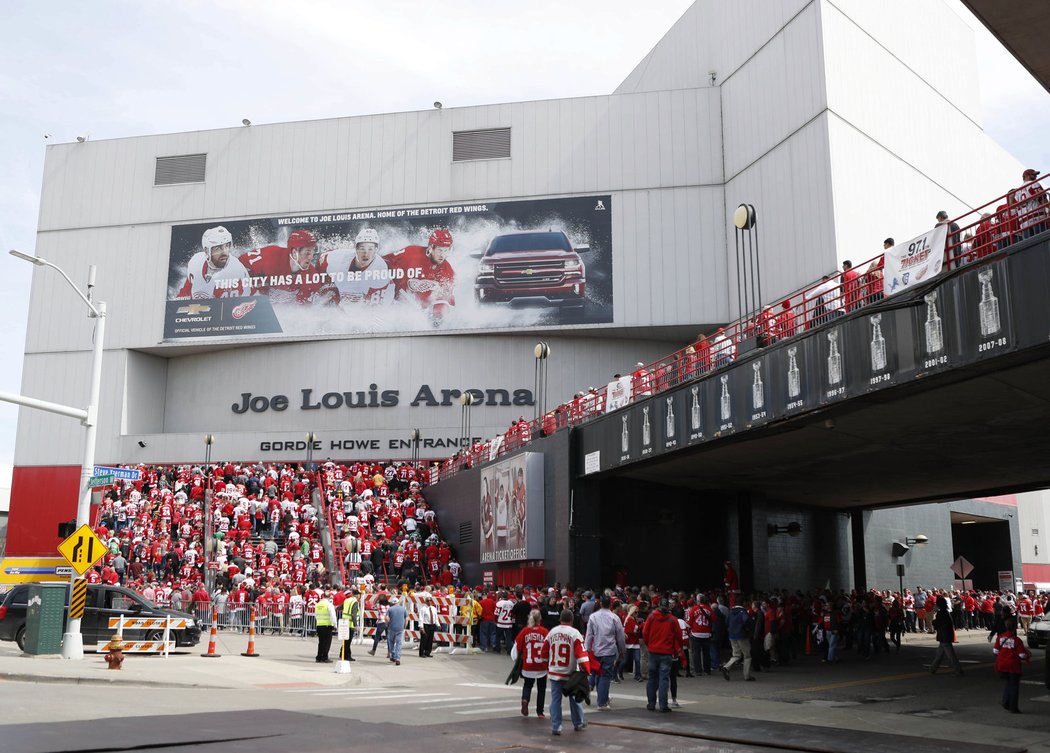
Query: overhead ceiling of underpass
[986, 434]
[1022, 26]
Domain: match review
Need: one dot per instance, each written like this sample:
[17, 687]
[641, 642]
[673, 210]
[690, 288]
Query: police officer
[324, 612]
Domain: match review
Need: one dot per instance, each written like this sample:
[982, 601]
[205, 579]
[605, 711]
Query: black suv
[103, 602]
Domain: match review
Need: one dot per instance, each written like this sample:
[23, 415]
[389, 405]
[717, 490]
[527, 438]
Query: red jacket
[1009, 650]
[662, 634]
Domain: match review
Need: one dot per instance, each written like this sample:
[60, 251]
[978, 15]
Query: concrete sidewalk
[282, 662]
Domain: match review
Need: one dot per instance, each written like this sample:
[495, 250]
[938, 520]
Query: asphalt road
[460, 703]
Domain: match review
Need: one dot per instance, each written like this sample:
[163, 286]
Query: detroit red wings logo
[241, 310]
[418, 285]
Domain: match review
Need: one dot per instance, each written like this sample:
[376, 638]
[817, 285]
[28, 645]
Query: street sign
[124, 474]
[101, 481]
[83, 549]
[962, 568]
[15, 570]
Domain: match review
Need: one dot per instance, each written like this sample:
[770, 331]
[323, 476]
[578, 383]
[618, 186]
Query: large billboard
[470, 266]
[512, 504]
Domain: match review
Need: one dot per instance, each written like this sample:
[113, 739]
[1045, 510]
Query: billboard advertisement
[469, 266]
[512, 502]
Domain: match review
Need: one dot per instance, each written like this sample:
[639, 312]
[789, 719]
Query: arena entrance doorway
[985, 543]
[647, 533]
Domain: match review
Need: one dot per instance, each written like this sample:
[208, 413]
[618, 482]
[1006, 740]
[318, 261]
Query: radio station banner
[914, 262]
[617, 394]
[469, 266]
[512, 509]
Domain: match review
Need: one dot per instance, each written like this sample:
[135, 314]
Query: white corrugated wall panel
[790, 188]
[880, 97]
[928, 37]
[711, 35]
[776, 92]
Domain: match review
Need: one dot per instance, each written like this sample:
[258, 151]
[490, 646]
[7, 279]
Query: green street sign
[101, 481]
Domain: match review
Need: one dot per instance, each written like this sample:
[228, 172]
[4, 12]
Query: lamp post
[310, 439]
[900, 549]
[467, 399]
[72, 641]
[209, 535]
[542, 351]
[415, 435]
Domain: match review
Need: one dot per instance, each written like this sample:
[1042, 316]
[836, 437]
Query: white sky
[116, 68]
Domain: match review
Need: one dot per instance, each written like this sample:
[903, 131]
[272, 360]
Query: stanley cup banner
[512, 509]
[914, 262]
[476, 266]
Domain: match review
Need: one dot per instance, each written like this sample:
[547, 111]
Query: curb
[19, 677]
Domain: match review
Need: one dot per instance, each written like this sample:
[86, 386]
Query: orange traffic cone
[211, 643]
[809, 642]
[251, 635]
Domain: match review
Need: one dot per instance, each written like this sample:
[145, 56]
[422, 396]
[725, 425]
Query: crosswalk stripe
[455, 705]
[386, 697]
[428, 704]
[500, 710]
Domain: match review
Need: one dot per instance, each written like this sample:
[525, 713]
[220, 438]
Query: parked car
[103, 602]
[532, 264]
[1039, 632]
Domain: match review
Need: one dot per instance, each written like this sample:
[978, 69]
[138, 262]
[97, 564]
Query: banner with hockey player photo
[914, 262]
[470, 266]
[512, 515]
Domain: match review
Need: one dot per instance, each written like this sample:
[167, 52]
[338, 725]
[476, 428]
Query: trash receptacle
[45, 619]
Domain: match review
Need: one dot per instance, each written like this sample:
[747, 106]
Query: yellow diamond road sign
[83, 549]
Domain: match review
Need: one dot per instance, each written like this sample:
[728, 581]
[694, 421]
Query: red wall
[41, 498]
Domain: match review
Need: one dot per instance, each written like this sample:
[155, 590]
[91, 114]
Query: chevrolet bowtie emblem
[194, 308]
[530, 271]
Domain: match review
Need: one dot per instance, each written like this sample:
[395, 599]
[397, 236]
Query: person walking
[382, 608]
[324, 614]
[942, 624]
[664, 639]
[396, 617]
[739, 626]
[564, 653]
[529, 646]
[605, 642]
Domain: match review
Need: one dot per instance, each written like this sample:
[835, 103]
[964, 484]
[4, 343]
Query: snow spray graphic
[553, 268]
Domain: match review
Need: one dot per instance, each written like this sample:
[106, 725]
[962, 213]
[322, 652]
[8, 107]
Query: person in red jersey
[424, 277]
[529, 646]
[1009, 651]
[287, 274]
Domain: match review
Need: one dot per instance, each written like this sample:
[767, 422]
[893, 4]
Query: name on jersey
[373, 397]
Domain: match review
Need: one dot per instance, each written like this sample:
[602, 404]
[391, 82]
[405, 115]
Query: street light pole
[72, 640]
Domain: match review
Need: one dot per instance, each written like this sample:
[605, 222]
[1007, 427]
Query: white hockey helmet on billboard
[367, 235]
[215, 236]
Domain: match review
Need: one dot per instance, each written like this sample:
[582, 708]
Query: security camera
[246, 122]
[81, 139]
[437, 105]
[141, 443]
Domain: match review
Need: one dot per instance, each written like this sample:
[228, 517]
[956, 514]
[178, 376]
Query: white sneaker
[676, 704]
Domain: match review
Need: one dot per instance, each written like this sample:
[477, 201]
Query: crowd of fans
[1019, 214]
[265, 528]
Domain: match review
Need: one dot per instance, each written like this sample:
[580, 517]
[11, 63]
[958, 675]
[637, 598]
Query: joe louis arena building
[840, 123]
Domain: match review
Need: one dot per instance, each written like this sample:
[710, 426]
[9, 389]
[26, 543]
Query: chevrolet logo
[193, 308]
[530, 271]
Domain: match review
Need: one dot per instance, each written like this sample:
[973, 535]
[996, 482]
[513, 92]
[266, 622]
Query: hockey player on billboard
[424, 277]
[361, 275]
[287, 274]
[211, 272]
